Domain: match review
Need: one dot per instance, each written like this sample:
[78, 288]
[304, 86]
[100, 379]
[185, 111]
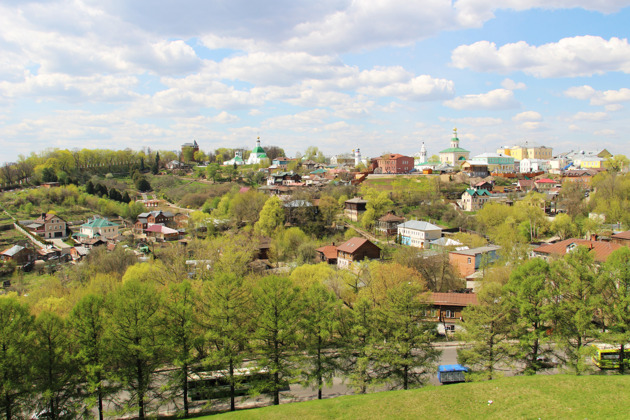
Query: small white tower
[357, 157]
[423, 153]
[454, 140]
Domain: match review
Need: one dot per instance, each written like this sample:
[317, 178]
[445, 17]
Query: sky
[379, 75]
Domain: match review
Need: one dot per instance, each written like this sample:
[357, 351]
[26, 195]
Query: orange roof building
[601, 250]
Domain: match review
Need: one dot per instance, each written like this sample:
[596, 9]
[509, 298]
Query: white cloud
[527, 116]
[608, 97]
[569, 57]
[510, 84]
[606, 132]
[493, 100]
[613, 108]
[474, 122]
[590, 116]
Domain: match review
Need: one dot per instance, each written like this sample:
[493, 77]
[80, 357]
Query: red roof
[454, 299]
[389, 217]
[623, 235]
[601, 249]
[329, 251]
[352, 245]
[545, 181]
[393, 156]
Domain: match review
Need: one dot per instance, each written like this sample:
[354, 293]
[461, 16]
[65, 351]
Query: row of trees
[294, 328]
[550, 310]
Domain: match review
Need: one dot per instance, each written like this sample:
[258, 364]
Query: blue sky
[382, 75]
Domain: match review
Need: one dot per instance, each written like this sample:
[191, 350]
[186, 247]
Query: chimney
[593, 236]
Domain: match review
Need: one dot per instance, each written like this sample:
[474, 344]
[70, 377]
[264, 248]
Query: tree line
[149, 338]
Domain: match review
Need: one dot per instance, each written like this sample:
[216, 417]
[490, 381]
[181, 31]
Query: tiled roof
[161, 229]
[389, 217]
[545, 181]
[352, 245]
[454, 299]
[623, 235]
[602, 250]
[329, 251]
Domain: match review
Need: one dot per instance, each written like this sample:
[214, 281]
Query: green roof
[259, 150]
[477, 192]
[99, 223]
[454, 149]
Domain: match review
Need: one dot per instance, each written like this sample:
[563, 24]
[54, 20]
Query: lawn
[532, 397]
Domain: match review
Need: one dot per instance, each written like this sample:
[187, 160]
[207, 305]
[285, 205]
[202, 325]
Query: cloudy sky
[382, 75]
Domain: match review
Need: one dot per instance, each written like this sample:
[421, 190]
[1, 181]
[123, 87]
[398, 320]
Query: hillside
[542, 396]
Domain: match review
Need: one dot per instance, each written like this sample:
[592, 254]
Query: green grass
[525, 397]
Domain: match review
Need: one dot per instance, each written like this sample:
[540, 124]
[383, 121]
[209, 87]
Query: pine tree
[155, 168]
[278, 309]
[16, 356]
[360, 346]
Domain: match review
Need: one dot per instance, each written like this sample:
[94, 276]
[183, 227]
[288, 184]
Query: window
[469, 260]
[449, 314]
[449, 327]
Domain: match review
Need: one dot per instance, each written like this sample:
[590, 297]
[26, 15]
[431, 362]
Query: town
[364, 258]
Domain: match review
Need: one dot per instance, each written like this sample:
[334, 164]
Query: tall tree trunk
[185, 386]
[232, 387]
[140, 380]
[320, 382]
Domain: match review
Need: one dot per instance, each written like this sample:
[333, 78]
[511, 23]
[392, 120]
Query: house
[622, 238]
[601, 250]
[525, 185]
[388, 224]
[446, 309]
[194, 146]
[354, 208]
[342, 159]
[473, 200]
[281, 162]
[393, 164]
[476, 169]
[327, 254]
[496, 162]
[356, 249]
[309, 165]
[467, 261]
[418, 233]
[79, 252]
[483, 185]
[544, 184]
[173, 164]
[154, 217]
[162, 232]
[98, 227]
[527, 150]
[49, 225]
[19, 254]
[284, 178]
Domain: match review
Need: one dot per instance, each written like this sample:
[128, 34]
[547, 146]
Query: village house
[354, 208]
[281, 162]
[19, 254]
[600, 250]
[418, 233]
[622, 238]
[284, 178]
[446, 309]
[154, 217]
[98, 227]
[544, 184]
[356, 249]
[467, 261]
[49, 226]
[473, 200]
[475, 169]
[79, 252]
[388, 224]
[327, 254]
[163, 233]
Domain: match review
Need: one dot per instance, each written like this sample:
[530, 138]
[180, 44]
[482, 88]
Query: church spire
[454, 140]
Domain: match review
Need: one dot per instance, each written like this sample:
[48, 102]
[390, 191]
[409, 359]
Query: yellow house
[527, 150]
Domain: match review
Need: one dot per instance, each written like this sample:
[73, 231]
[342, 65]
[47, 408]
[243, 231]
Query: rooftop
[479, 250]
[419, 225]
[601, 249]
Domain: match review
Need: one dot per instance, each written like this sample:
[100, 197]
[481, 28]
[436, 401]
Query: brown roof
[389, 217]
[601, 249]
[329, 251]
[392, 156]
[352, 245]
[623, 235]
[454, 299]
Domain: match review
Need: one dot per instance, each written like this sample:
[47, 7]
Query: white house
[418, 234]
[258, 155]
[101, 228]
[534, 165]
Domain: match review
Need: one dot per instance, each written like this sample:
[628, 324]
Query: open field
[537, 397]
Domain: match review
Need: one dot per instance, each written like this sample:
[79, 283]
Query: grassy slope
[543, 396]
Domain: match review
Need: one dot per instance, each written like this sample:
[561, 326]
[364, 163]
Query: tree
[435, 268]
[319, 324]
[16, 347]
[614, 283]
[329, 209]
[359, 346]
[181, 334]
[271, 217]
[528, 298]
[563, 226]
[226, 316]
[114, 194]
[406, 356]
[54, 371]
[188, 154]
[143, 185]
[278, 308]
[487, 331]
[134, 337]
[246, 207]
[89, 187]
[87, 324]
[574, 294]
[155, 168]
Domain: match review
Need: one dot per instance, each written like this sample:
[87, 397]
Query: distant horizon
[335, 74]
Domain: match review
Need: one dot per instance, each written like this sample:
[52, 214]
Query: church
[454, 155]
[258, 155]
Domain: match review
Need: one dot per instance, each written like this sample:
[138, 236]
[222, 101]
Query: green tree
[329, 209]
[319, 324]
[134, 337]
[614, 283]
[182, 335]
[528, 298]
[226, 317]
[213, 171]
[54, 370]
[406, 356]
[563, 226]
[271, 217]
[143, 185]
[278, 308]
[487, 333]
[155, 168]
[574, 294]
[359, 346]
[16, 347]
[87, 324]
